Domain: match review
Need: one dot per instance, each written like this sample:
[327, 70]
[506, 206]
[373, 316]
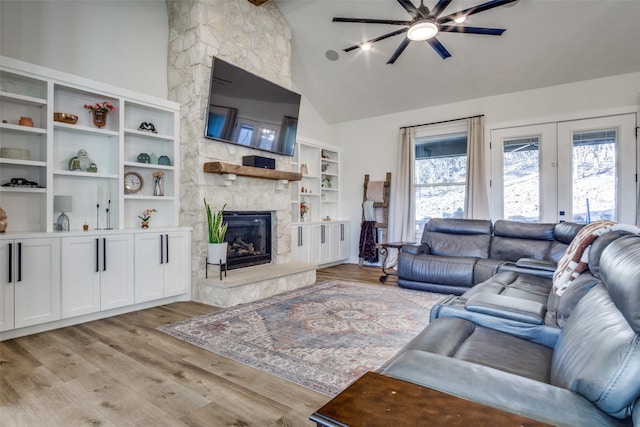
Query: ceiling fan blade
[475, 9]
[377, 39]
[471, 30]
[439, 48]
[372, 21]
[439, 8]
[399, 50]
[409, 7]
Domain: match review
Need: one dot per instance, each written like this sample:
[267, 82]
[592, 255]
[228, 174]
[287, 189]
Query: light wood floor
[120, 371]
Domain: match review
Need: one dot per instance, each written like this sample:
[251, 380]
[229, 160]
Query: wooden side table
[384, 251]
[377, 400]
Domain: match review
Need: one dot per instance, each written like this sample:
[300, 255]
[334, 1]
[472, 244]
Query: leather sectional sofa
[588, 375]
[456, 254]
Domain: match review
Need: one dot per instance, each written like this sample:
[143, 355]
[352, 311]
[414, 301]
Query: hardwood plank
[130, 374]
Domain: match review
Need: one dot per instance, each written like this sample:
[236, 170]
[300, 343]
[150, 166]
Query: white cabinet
[320, 243]
[97, 273]
[163, 265]
[30, 281]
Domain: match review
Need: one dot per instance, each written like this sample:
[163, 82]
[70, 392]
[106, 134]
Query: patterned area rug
[323, 336]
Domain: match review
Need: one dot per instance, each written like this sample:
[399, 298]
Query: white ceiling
[547, 42]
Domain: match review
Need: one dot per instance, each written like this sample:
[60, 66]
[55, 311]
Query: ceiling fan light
[422, 30]
[365, 46]
[460, 19]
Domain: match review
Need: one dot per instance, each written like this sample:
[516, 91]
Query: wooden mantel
[222, 168]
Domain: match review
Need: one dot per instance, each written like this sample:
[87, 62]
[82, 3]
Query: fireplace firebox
[248, 237]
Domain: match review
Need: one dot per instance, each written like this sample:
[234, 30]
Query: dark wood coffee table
[377, 400]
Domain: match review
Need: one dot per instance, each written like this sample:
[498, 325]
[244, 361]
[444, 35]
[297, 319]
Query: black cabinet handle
[19, 262]
[166, 245]
[161, 249]
[10, 264]
[97, 255]
[299, 236]
[322, 239]
[341, 232]
[104, 254]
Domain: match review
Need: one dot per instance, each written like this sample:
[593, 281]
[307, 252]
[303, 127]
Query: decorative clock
[133, 182]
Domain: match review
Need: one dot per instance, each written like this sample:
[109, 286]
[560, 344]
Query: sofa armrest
[536, 264]
[518, 309]
[416, 249]
[498, 389]
[532, 266]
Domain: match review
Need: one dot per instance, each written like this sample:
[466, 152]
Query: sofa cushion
[455, 237]
[461, 339]
[452, 271]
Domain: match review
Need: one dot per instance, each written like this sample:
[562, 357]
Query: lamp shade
[62, 203]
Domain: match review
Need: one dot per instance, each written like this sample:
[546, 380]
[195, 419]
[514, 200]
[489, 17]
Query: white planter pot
[217, 253]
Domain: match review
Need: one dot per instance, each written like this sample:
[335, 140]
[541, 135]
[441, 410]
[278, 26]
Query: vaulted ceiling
[546, 43]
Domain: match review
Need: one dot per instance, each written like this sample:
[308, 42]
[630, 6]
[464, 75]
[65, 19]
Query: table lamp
[62, 204]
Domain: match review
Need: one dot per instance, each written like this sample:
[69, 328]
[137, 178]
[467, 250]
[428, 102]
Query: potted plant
[216, 230]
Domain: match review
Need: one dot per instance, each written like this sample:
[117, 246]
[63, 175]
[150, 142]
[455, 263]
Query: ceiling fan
[425, 24]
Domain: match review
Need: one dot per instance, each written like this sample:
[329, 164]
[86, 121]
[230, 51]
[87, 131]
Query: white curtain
[476, 204]
[404, 206]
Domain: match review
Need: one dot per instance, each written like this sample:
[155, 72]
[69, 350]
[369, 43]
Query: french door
[579, 170]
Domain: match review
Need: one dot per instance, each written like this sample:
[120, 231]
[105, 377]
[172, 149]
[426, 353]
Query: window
[440, 177]
[521, 182]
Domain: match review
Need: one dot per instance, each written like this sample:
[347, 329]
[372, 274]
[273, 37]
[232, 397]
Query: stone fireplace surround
[259, 40]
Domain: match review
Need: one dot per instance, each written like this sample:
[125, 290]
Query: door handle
[10, 262]
[161, 249]
[104, 254]
[97, 255]
[19, 262]
[166, 246]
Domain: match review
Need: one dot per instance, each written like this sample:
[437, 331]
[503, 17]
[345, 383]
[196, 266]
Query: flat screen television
[249, 110]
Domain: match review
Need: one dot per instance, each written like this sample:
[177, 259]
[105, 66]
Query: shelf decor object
[99, 112]
[62, 204]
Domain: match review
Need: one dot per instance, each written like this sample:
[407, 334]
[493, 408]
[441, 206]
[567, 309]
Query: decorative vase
[158, 189]
[25, 121]
[144, 224]
[217, 253]
[100, 118]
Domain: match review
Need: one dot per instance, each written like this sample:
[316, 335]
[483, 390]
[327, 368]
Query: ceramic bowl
[65, 118]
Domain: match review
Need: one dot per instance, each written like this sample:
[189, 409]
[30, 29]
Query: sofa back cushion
[513, 240]
[598, 352]
[563, 233]
[458, 237]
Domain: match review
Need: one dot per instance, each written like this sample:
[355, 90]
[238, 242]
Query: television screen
[248, 110]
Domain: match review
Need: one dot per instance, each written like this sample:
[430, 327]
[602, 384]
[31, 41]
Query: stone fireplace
[257, 39]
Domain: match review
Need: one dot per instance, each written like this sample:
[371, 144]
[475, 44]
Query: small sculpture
[82, 162]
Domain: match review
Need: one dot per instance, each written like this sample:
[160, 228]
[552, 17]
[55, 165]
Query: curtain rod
[442, 121]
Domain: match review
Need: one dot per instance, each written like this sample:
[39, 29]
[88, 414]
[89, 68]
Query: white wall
[369, 145]
[123, 43]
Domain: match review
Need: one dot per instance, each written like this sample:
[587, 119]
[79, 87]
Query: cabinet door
[298, 250]
[149, 267]
[117, 264]
[7, 248]
[177, 263]
[37, 281]
[80, 275]
[328, 242]
[311, 239]
[343, 242]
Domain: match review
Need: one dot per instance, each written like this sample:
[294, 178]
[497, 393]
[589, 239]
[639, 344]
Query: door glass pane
[594, 175]
[521, 179]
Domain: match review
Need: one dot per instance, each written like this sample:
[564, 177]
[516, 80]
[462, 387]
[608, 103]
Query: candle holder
[97, 217]
[109, 216]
